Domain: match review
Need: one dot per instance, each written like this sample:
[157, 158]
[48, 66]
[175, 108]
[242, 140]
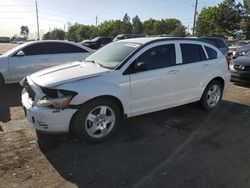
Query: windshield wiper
[92, 61]
[98, 64]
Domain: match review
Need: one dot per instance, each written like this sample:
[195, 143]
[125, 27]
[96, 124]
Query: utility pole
[96, 21]
[195, 14]
[37, 22]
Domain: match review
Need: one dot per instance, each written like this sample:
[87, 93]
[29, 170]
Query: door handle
[205, 65]
[44, 59]
[173, 71]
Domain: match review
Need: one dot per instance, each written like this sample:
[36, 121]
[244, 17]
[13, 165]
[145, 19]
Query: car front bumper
[46, 119]
[240, 77]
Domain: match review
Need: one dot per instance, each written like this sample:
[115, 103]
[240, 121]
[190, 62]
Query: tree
[56, 34]
[110, 28]
[246, 20]
[148, 26]
[24, 31]
[126, 26]
[137, 26]
[206, 22]
[86, 32]
[222, 20]
[180, 31]
[72, 32]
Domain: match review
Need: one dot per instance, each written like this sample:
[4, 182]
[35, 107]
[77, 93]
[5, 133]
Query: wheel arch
[110, 97]
[220, 79]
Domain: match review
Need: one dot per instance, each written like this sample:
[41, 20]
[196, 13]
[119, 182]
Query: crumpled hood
[66, 73]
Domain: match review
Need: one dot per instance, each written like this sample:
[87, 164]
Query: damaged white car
[124, 79]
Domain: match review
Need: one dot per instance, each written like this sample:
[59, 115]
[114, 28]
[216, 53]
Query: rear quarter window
[192, 53]
[212, 54]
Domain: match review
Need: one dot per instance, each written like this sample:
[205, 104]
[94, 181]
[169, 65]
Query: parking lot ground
[4, 47]
[179, 147]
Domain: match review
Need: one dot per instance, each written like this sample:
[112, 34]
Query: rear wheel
[97, 120]
[1, 80]
[212, 95]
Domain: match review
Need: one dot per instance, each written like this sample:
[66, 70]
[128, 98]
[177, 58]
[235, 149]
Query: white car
[33, 56]
[124, 79]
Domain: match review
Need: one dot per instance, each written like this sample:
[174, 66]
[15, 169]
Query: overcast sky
[57, 13]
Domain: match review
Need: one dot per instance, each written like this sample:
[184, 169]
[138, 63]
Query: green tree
[206, 22]
[137, 26]
[222, 20]
[24, 31]
[86, 32]
[110, 28]
[72, 32]
[179, 31]
[56, 34]
[126, 26]
[246, 20]
[148, 26]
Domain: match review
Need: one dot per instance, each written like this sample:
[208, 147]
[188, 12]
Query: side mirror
[20, 53]
[140, 66]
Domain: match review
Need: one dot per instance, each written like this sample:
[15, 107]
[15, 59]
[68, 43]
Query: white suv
[124, 79]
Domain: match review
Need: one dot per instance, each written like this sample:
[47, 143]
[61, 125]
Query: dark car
[128, 36]
[97, 42]
[240, 68]
[217, 42]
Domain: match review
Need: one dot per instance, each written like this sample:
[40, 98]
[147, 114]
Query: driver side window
[159, 57]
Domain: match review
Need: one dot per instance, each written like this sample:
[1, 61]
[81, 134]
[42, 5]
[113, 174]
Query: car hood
[242, 60]
[66, 73]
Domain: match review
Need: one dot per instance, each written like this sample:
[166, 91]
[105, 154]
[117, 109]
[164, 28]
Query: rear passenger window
[192, 53]
[59, 48]
[220, 43]
[159, 57]
[212, 54]
[36, 49]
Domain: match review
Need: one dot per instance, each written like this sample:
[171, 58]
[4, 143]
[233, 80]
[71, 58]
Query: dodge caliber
[124, 79]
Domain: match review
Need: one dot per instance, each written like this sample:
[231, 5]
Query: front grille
[29, 90]
[242, 67]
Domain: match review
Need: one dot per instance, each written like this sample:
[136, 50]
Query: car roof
[145, 40]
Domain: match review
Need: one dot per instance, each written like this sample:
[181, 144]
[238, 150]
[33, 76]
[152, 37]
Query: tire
[212, 95]
[97, 120]
[1, 80]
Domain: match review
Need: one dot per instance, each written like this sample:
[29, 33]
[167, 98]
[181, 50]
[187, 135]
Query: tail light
[228, 60]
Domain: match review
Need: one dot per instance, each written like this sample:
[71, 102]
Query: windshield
[113, 54]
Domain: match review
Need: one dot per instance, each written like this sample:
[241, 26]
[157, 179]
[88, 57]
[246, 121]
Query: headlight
[57, 98]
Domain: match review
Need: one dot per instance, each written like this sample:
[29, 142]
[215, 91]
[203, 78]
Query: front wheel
[212, 95]
[97, 120]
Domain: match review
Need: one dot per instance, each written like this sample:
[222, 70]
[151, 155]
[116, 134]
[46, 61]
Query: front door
[153, 88]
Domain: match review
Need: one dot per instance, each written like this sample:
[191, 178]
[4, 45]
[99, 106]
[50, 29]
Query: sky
[58, 13]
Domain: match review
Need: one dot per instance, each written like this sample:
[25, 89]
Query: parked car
[240, 68]
[237, 45]
[128, 36]
[218, 42]
[33, 56]
[124, 79]
[97, 42]
[242, 50]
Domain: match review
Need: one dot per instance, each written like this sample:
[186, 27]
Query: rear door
[191, 71]
[36, 57]
[65, 53]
